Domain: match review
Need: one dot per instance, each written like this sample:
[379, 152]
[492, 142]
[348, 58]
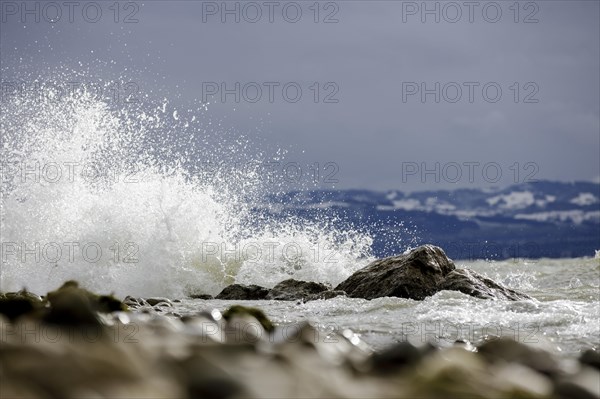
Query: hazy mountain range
[529, 220]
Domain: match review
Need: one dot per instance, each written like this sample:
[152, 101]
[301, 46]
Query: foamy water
[563, 317]
[121, 200]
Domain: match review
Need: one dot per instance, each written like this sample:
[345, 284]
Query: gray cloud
[368, 54]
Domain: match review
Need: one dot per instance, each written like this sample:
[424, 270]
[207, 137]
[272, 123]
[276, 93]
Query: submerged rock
[421, 273]
[242, 292]
[291, 290]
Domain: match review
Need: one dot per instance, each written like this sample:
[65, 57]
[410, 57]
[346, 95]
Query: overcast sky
[368, 61]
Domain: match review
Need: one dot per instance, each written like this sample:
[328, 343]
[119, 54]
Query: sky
[371, 94]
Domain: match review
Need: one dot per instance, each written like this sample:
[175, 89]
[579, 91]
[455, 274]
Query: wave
[121, 199]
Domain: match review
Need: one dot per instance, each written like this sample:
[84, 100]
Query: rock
[402, 354]
[155, 301]
[241, 292]
[583, 385]
[238, 310]
[508, 350]
[15, 304]
[72, 305]
[418, 274]
[204, 379]
[474, 284]
[415, 275]
[205, 297]
[131, 301]
[23, 294]
[291, 290]
[466, 345]
[590, 358]
[108, 304]
[568, 390]
[325, 295]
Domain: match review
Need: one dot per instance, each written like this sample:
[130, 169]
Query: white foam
[147, 226]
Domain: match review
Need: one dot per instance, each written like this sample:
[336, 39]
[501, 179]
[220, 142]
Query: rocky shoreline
[417, 274]
[73, 343]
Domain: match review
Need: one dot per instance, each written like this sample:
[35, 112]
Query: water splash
[128, 199]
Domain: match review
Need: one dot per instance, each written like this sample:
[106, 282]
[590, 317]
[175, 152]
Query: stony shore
[72, 343]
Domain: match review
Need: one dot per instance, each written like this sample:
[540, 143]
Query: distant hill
[529, 220]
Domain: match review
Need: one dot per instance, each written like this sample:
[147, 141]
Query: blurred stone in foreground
[239, 353]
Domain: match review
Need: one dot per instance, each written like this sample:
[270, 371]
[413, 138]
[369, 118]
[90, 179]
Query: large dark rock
[241, 292]
[474, 284]
[590, 358]
[15, 304]
[415, 275]
[73, 305]
[291, 290]
[418, 274]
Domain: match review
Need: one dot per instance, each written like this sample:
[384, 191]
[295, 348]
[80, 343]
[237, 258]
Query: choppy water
[564, 317]
[146, 200]
[121, 200]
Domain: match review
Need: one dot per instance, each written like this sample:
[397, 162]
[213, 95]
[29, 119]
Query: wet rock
[415, 275]
[400, 355]
[583, 385]
[456, 373]
[205, 297]
[474, 284]
[590, 358]
[72, 305]
[204, 379]
[466, 345]
[156, 300]
[23, 294]
[242, 292]
[15, 304]
[257, 314]
[507, 350]
[325, 295]
[131, 302]
[214, 355]
[291, 290]
[421, 273]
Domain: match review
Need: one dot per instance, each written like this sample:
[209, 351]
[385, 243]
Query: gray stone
[510, 351]
[291, 290]
[415, 275]
[421, 273]
[243, 292]
[205, 297]
[325, 295]
[474, 284]
[157, 300]
[591, 358]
